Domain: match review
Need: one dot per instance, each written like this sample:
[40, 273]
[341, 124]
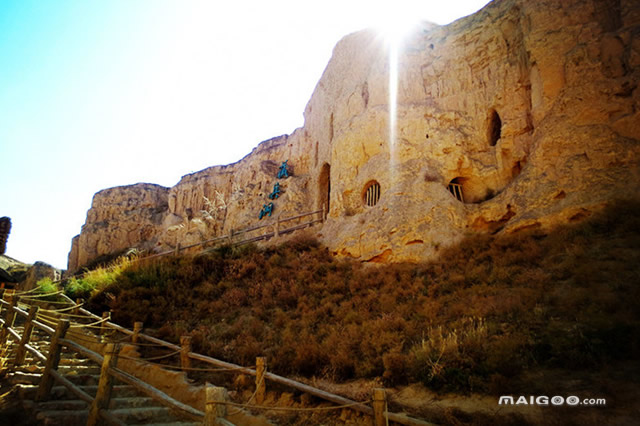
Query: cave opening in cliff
[324, 188]
[371, 193]
[494, 130]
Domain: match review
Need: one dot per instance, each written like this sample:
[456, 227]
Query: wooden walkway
[64, 325]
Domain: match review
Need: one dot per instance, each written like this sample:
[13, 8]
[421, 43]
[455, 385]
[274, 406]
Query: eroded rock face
[527, 106]
[525, 114]
[37, 272]
[120, 218]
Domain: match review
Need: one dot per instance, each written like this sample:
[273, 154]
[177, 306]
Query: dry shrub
[474, 319]
[451, 353]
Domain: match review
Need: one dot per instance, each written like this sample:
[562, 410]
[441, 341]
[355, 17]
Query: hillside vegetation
[477, 319]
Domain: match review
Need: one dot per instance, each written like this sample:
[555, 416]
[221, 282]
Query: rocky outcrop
[120, 218]
[22, 276]
[37, 272]
[11, 270]
[219, 199]
[525, 114]
[515, 104]
[5, 229]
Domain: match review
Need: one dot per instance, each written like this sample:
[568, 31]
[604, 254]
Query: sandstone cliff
[120, 218]
[524, 114]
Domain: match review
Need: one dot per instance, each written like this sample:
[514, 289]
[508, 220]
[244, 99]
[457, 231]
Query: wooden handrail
[73, 388]
[121, 375]
[231, 235]
[85, 397]
[300, 215]
[35, 353]
[196, 414]
[159, 342]
[222, 364]
[95, 357]
[340, 400]
[44, 327]
[254, 239]
[253, 228]
[14, 333]
[156, 394]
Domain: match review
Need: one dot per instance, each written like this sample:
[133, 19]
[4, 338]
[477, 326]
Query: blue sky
[96, 94]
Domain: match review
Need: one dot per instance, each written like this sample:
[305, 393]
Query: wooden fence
[271, 230]
[216, 398]
[98, 405]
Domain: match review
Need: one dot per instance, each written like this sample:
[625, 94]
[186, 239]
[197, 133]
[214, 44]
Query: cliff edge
[525, 114]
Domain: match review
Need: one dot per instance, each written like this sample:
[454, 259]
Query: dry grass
[488, 311]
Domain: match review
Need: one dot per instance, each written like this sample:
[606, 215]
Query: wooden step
[93, 370]
[119, 391]
[82, 379]
[18, 377]
[63, 418]
[62, 405]
[143, 415]
[132, 402]
[75, 361]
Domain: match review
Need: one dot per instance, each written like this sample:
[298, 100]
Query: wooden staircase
[128, 406]
[61, 381]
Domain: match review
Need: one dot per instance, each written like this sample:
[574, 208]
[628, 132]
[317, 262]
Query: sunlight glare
[394, 25]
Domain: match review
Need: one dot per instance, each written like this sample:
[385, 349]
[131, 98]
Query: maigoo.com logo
[554, 400]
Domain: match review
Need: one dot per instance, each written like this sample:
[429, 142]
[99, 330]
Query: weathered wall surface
[37, 272]
[237, 192]
[120, 218]
[533, 108]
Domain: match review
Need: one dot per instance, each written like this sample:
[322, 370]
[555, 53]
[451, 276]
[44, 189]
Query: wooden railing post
[105, 385]
[53, 359]
[323, 214]
[137, 328]
[26, 335]
[231, 236]
[177, 249]
[9, 319]
[214, 410]
[6, 297]
[379, 407]
[261, 369]
[76, 310]
[103, 325]
[185, 361]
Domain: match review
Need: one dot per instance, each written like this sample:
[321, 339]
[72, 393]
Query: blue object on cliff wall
[267, 209]
[283, 172]
[276, 191]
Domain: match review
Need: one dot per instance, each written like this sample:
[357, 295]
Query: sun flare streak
[394, 27]
[393, 98]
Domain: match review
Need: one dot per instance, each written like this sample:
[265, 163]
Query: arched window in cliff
[455, 188]
[324, 187]
[371, 193]
[494, 129]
